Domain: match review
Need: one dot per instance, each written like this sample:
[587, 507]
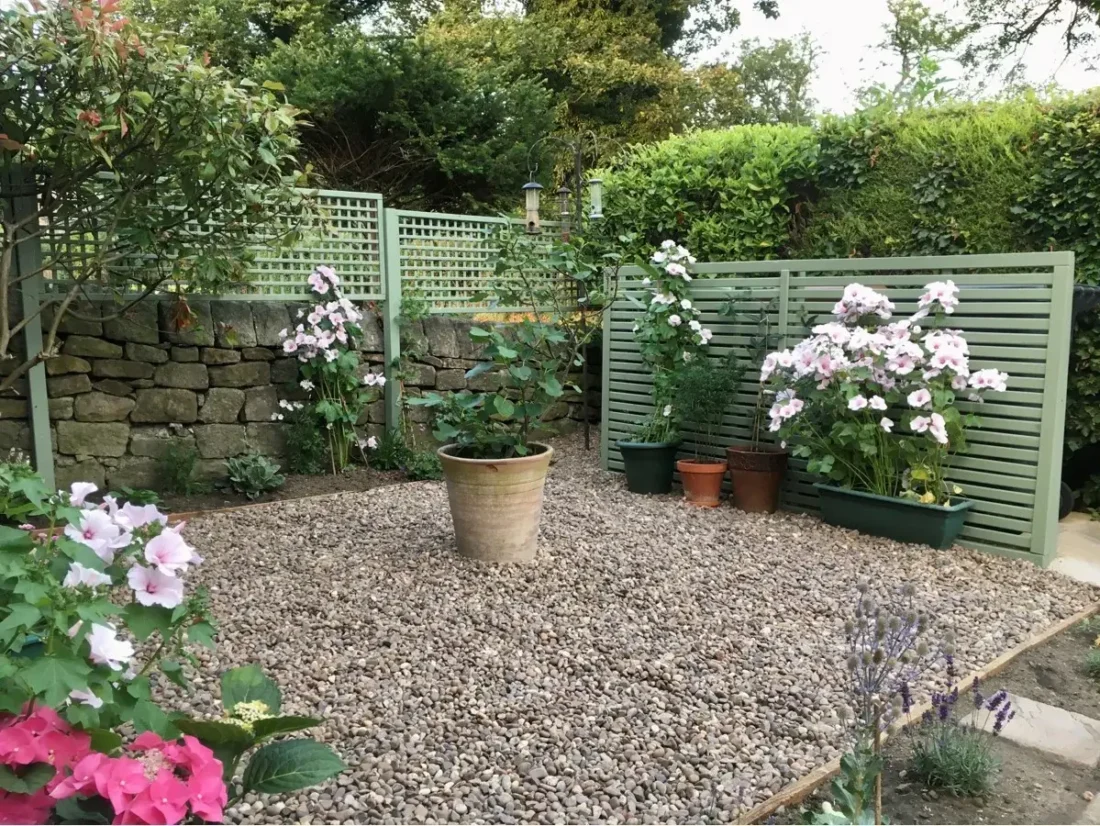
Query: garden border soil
[803, 788]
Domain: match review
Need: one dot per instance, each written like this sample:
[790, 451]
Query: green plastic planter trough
[893, 518]
[648, 466]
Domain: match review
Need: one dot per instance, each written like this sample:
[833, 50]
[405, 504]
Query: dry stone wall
[122, 391]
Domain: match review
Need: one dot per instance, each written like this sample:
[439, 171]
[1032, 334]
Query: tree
[164, 167]
[398, 116]
[776, 80]
[1013, 24]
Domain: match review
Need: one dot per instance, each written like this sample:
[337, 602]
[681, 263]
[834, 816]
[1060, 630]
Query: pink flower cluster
[326, 325]
[859, 301]
[38, 735]
[157, 782]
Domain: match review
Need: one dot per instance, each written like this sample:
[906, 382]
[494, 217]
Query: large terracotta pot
[702, 481]
[757, 474]
[496, 504]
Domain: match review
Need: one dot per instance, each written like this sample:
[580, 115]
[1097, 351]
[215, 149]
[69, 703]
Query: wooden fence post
[391, 314]
[22, 199]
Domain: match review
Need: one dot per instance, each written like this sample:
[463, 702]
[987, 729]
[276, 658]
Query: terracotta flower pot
[757, 474]
[702, 481]
[496, 504]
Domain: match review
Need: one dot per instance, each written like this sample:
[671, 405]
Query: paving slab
[1079, 548]
[1063, 734]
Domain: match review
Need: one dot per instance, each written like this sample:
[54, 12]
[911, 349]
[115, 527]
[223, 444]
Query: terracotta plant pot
[702, 481]
[496, 504]
[648, 465]
[757, 474]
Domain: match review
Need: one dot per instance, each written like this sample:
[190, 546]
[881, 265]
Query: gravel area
[657, 663]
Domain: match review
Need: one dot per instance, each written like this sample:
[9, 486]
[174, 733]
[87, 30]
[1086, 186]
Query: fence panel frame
[1024, 431]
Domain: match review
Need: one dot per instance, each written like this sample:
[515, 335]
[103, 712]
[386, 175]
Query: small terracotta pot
[757, 474]
[496, 504]
[702, 481]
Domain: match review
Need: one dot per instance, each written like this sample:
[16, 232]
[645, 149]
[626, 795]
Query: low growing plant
[136, 496]
[1092, 664]
[93, 611]
[178, 469]
[306, 446]
[15, 468]
[421, 465]
[840, 394]
[254, 474]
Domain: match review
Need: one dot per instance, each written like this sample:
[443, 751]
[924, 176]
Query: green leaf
[82, 810]
[290, 765]
[478, 369]
[139, 688]
[202, 633]
[31, 591]
[478, 332]
[148, 716]
[53, 676]
[28, 779]
[21, 616]
[552, 387]
[274, 86]
[273, 726]
[173, 670]
[13, 539]
[503, 407]
[248, 683]
[105, 740]
[143, 620]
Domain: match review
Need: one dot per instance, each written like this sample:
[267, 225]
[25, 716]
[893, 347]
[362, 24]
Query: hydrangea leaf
[248, 683]
[289, 765]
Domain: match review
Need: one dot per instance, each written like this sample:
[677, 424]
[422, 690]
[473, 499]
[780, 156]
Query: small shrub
[1092, 664]
[306, 446]
[178, 470]
[422, 465]
[951, 757]
[254, 474]
[392, 452]
[15, 468]
[136, 496]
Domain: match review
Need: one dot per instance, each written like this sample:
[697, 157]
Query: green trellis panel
[1016, 314]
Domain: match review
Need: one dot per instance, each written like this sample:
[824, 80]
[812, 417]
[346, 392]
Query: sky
[848, 32]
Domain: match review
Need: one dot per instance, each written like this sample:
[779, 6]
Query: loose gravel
[657, 663]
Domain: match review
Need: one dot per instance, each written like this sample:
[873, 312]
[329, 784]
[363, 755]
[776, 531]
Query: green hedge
[1013, 176]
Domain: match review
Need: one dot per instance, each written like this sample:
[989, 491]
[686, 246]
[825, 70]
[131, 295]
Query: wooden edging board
[805, 786]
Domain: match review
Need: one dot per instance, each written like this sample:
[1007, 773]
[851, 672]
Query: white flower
[705, 336]
[919, 398]
[878, 403]
[685, 304]
[659, 257]
[79, 491]
[107, 648]
[886, 424]
[306, 384]
[667, 411]
[668, 244]
[687, 356]
[85, 697]
[857, 403]
[674, 320]
[695, 325]
[646, 282]
[79, 575]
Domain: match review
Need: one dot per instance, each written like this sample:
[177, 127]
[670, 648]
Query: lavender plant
[953, 757]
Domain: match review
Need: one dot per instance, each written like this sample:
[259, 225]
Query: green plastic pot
[902, 520]
[648, 466]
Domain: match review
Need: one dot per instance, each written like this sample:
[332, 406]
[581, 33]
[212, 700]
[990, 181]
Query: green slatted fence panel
[1015, 313]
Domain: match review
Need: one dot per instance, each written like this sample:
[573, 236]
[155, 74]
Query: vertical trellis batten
[391, 313]
[1015, 313]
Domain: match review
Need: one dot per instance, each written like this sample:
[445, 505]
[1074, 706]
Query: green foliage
[306, 447]
[164, 158]
[137, 496]
[423, 465]
[254, 474]
[178, 469]
[704, 391]
[852, 791]
[15, 470]
[392, 451]
[955, 758]
[726, 195]
[1092, 664]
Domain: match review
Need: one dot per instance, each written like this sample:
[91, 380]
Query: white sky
[848, 32]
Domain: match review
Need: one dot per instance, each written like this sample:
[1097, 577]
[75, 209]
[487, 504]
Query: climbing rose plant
[94, 614]
[872, 403]
[669, 334]
[326, 341]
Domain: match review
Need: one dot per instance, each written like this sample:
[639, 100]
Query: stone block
[222, 405]
[155, 441]
[211, 470]
[61, 408]
[468, 348]
[14, 433]
[62, 365]
[199, 327]
[114, 387]
[163, 404]
[102, 407]
[484, 383]
[268, 437]
[420, 375]
[1069, 736]
[137, 323]
[376, 412]
[121, 369]
[69, 385]
[371, 326]
[220, 441]
[87, 471]
[450, 379]
[257, 354]
[185, 354]
[146, 352]
[185, 376]
[216, 355]
[260, 403]
[418, 414]
[413, 340]
[70, 324]
[442, 336]
[92, 438]
[136, 472]
[270, 319]
[88, 347]
[284, 371]
[233, 325]
[245, 374]
[14, 408]
[434, 361]
[142, 384]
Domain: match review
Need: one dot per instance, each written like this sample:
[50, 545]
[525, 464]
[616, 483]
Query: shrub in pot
[757, 467]
[670, 336]
[871, 404]
[704, 391]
